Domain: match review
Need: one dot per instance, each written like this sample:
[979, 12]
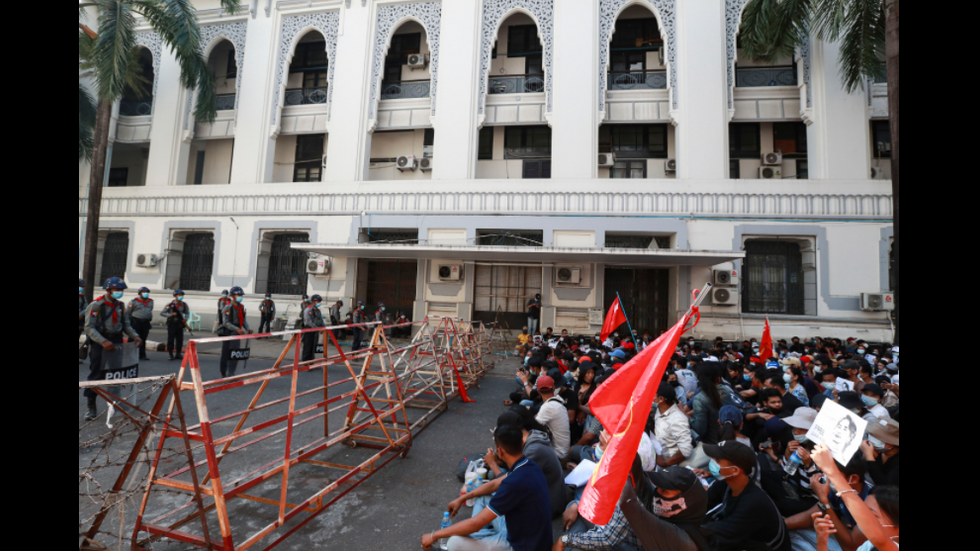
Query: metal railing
[644, 80]
[765, 76]
[135, 108]
[516, 84]
[307, 96]
[409, 89]
[226, 102]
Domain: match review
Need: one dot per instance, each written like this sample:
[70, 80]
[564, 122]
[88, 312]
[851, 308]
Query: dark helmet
[306, 297]
[360, 303]
[81, 282]
[340, 303]
[236, 291]
[267, 295]
[178, 292]
[114, 283]
[143, 290]
[225, 292]
[381, 305]
[316, 298]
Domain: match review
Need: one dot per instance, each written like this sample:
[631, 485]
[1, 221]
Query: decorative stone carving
[234, 33]
[609, 11]
[493, 14]
[805, 55]
[427, 13]
[151, 41]
[328, 23]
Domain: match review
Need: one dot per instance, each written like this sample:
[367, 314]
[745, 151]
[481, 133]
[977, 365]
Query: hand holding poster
[840, 430]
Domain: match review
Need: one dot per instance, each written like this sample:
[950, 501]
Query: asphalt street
[388, 512]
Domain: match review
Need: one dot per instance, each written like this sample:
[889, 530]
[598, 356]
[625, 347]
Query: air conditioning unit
[607, 159]
[318, 266]
[451, 273]
[418, 61]
[770, 173]
[670, 166]
[772, 159]
[426, 164]
[721, 296]
[878, 174]
[726, 277]
[569, 275]
[877, 302]
[407, 162]
[147, 260]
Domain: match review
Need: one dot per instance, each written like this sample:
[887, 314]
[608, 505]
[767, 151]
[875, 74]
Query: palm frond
[113, 49]
[86, 123]
[773, 28]
[830, 17]
[862, 43]
[231, 6]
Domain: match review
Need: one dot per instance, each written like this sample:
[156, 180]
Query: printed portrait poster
[841, 430]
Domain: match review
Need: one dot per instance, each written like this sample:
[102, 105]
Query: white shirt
[688, 380]
[880, 412]
[554, 416]
[674, 432]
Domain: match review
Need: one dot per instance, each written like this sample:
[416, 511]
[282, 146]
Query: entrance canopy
[526, 255]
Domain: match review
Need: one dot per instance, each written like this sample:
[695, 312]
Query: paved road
[391, 510]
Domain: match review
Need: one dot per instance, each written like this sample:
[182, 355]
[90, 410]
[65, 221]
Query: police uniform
[359, 319]
[268, 312]
[312, 317]
[176, 313]
[106, 320]
[335, 321]
[234, 317]
[222, 302]
[140, 315]
[402, 332]
[302, 308]
[82, 306]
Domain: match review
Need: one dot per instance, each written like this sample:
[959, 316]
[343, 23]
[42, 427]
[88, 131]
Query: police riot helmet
[114, 283]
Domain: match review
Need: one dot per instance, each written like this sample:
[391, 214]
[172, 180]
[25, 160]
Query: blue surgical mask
[877, 444]
[869, 401]
[860, 351]
[317, 305]
[145, 296]
[81, 290]
[787, 378]
[715, 469]
[239, 299]
[801, 438]
[117, 295]
[526, 360]
[599, 453]
[180, 299]
[383, 309]
[747, 377]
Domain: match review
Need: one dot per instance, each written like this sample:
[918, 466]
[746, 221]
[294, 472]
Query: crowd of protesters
[724, 465]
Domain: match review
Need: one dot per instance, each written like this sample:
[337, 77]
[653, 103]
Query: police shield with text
[176, 314]
[140, 312]
[312, 317]
[234, 324]
[106, 322]
[267, 310]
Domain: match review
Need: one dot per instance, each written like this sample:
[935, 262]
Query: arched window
[137, 100]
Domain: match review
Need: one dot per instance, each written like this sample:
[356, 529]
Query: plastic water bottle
[793, 465]
[469, 489]
[446, 523]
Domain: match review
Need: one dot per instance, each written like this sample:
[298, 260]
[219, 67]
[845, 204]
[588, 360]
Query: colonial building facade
[461, 157]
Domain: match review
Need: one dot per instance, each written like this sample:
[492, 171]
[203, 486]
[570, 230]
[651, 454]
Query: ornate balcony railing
[765, 76]
[516, 84]
[135, 108]
[226, 102]
[644, 80]
[307, 96]
[409, 89]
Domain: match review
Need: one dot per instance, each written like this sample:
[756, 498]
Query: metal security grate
[505, 238]
[407, 237]
[287, 267]
[115, 255]
[197, 262]
[773, 278]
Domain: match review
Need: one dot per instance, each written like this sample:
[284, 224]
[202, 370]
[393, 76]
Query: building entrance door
[506, 289]
[645, 296]
[393, 283]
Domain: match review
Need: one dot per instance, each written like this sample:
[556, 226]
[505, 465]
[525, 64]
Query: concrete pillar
[167, 162]
[838, 137]
[574, 123]
[702, 91]
[254, 149]
[455, 122]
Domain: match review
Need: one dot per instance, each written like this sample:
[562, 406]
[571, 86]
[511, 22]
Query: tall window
[631, 42]
[522, 41]
[773, 278]
[197, 262]
[634, 141]
[790, 138]
[115, 254]
[734, 169]
[527, 141]
[402, 46]
[537, 170]
[118, 177]
[745, 140]
[486, 144]
[309, 158]
[311, 60]
[881, 133]
[287, 266]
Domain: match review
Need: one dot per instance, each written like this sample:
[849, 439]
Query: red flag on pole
[765, 349]
[614, 319]
[622, 404]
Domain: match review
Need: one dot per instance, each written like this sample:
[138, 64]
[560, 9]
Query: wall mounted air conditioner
[670, 166]
[726, 277]
[877, 302]
[607, 159]
[425, 164]
[721, 296]
[451, 272]
[568, 275]
[407, 162]
[318, 266]
[418, 61]
[770, 173]
[772, 159]
[147, 260]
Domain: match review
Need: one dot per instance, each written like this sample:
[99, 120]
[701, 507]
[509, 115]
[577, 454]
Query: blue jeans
[490, 538]
[532, 326]
[806, 540]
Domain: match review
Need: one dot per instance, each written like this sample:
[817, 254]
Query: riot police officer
[267, 311]
[106, 322]
[222, 302]
[312, 317]
[235, 323]
[302, 310]
[335, 319]
[359, 320]
[140, 312]
[176, 314]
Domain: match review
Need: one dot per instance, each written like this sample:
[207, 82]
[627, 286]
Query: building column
[167, 161]
[349, 154]
[575, 119]
[455, 123]
[838, 136]
[702, 92]
[255, 150]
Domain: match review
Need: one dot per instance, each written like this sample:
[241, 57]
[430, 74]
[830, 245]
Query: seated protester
[848, 534]
[522, 340]
[554, 415]
[747, 519]
[877, 517]
[672, 427]
[580, 451]
[853, 402]
[687, 377]
[730, 419]
[670, 513]
[790, 487]
[881, 452]
[708, 402]
[872, 395]
[775, 380]
[527, 379]
[522, 499]
[582, 535]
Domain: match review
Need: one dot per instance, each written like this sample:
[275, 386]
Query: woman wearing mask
[713, 396]
[881, 451]
[872, 395]
[794, 384]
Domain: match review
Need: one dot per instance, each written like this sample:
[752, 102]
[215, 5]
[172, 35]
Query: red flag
[622, 404]
[765, 349]
[614, 319]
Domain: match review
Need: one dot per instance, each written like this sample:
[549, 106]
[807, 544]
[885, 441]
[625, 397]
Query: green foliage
[86, 123]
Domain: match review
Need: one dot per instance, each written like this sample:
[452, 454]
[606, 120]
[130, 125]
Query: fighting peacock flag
[614, 319]
[765, 349]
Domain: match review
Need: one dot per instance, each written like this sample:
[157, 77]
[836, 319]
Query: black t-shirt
[790, 404]
[749, 522]
[570, 397]
[534, 313]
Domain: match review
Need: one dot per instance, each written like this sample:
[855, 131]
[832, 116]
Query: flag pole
[698, 299]
[632, 334]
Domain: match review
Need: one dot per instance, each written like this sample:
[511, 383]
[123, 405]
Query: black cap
[850, 400]
[677, 479]
[850, 365]
[666, 391]
[874, 389]
[737, 453]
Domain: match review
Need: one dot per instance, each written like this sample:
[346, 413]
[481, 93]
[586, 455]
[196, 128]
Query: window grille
[287, 266]
[197, 262]
[773, 278]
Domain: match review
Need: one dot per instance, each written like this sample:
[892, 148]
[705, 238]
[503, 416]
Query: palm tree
[107, 56]
[868, 34]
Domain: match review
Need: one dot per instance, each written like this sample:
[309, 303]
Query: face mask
[869, 401]
[715, 469]
[747, 377]
[878, 444]
[383, 309]
[856, 411]
[860, 351]
[362, 308]
[239, 299]
[616, 335]
[117, 295]
[801, 438]
[317, 305]
[788, 378]
[145, 296]
[526, 360]
[179, 299]
[81, 290]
